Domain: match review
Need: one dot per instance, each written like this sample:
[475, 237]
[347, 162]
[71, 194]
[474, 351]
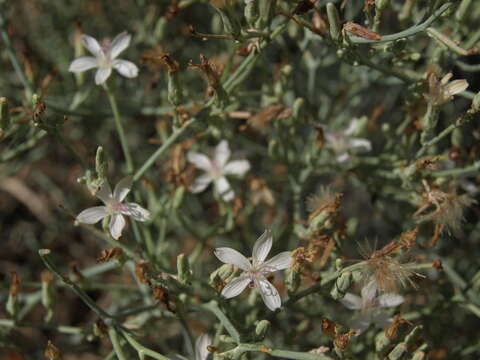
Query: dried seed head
[328, 327]
[52, 352]
[114, 253]
[302, 257]
[141, 271]
[15, 284]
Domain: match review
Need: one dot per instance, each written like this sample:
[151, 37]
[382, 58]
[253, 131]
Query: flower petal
[222, 153]
[200, 160]
[201, 351]
[362, 322]
[236, 167]
[381, 319]
[201, 183]
[262, 247]
[222, 187]
[359, 144]
[83, 63]
[269, 293]
[390, 300]
[126, 68]
[352, 302]
[102, 75]
[92, 215]
[456, 87]
[117, 223]
[122, 188]
[369, 291]
[278, 262]
[236, 286]
[92, 45]
[105, 193]
[119, 44]
[135, 211]
[232, 256]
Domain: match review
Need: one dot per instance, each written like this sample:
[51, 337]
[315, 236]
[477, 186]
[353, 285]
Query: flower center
[114, 207]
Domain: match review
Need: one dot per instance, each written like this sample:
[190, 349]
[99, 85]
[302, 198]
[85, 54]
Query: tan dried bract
[361, 31]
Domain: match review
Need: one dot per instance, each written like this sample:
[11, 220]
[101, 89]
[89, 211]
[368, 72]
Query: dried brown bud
[46, 276]
[114, 253]
[341, 340]
[391, 332]
[437, 265]
[208, 70]
[301, 257]
[141, 271]
[328, 327]
[52, 352]
[360, 31]
[171, 64]
[15, 284]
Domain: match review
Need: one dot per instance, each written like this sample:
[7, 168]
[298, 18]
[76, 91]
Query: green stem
[113, 334]
[414, 30]
[120, 130]
[71, 330]
[142, 350]
[475, 167]
[285, 354]
[212, 306]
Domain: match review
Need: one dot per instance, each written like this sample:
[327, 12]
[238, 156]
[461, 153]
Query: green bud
[414, 335]
[178, 197]
[101, 164]
[183, 269]
[298, 107]
[382, 343]
[292, 280]
[12, 305]
[175, 94]
[398, 352]
[266, 12]
[462, 10]
[457, 137]
[334, 21]
[262, 328]
[223, 273]
[476, 103]
[251, 12]
[341, 286]
[230, 23]
[4, 114]
[226, 339]
[48, 298]
[381, 4]
[339, 264]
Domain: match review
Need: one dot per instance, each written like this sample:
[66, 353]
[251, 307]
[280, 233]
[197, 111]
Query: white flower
[255, 270]
[105, 58]
[114, 208]
[216, 169]
[342, 143]
[201, 350]
[370, 304]
[442, 91]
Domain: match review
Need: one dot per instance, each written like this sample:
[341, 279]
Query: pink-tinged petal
[232, 256]
[390, 300]
[92, 215]
[200, 161]
[352, 302]
[83, 63]
[201, 183]
[119, 44]
[102, 75]
[122, 188]
[126, 68]
[235, 287]
[222, 153]
[269, 293]
[236, 167]
[92, 45]
[105, 193]
[262, 247]
[369, 291]
[201, 351]
[278, 262]
[117, 223]
[222, 187]
[135, 211]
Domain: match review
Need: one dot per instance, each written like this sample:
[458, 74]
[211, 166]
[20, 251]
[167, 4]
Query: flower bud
[52, 352]
[342, 284]
[101, 164]
[4, 114]
[266, 12]
[476, 103]
[334, 21]
[262, 328]
[251, 12]
[231, 25]
[292, 280]
[381, 4]
[183, 269]
[48, 299]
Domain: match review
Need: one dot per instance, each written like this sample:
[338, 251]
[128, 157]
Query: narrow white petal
[236, 286]
[262, 247]
[117, 223]
[119, 44]
[83, 63]
[91, 45]
[222, 153]
[126, 68]
[102, 75]
[343, 157]
[222, 187]
[352, 302]
[201, 351]
[232, 256]
[390, 300]
[201, 183]
[92, 215]
[456, 87]
[359, 144]
[135, 211]
[122, 188]
[369, 291]
[105, 193]
[269, 293]
[278, 262]
[201, 161]
[236, 167]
